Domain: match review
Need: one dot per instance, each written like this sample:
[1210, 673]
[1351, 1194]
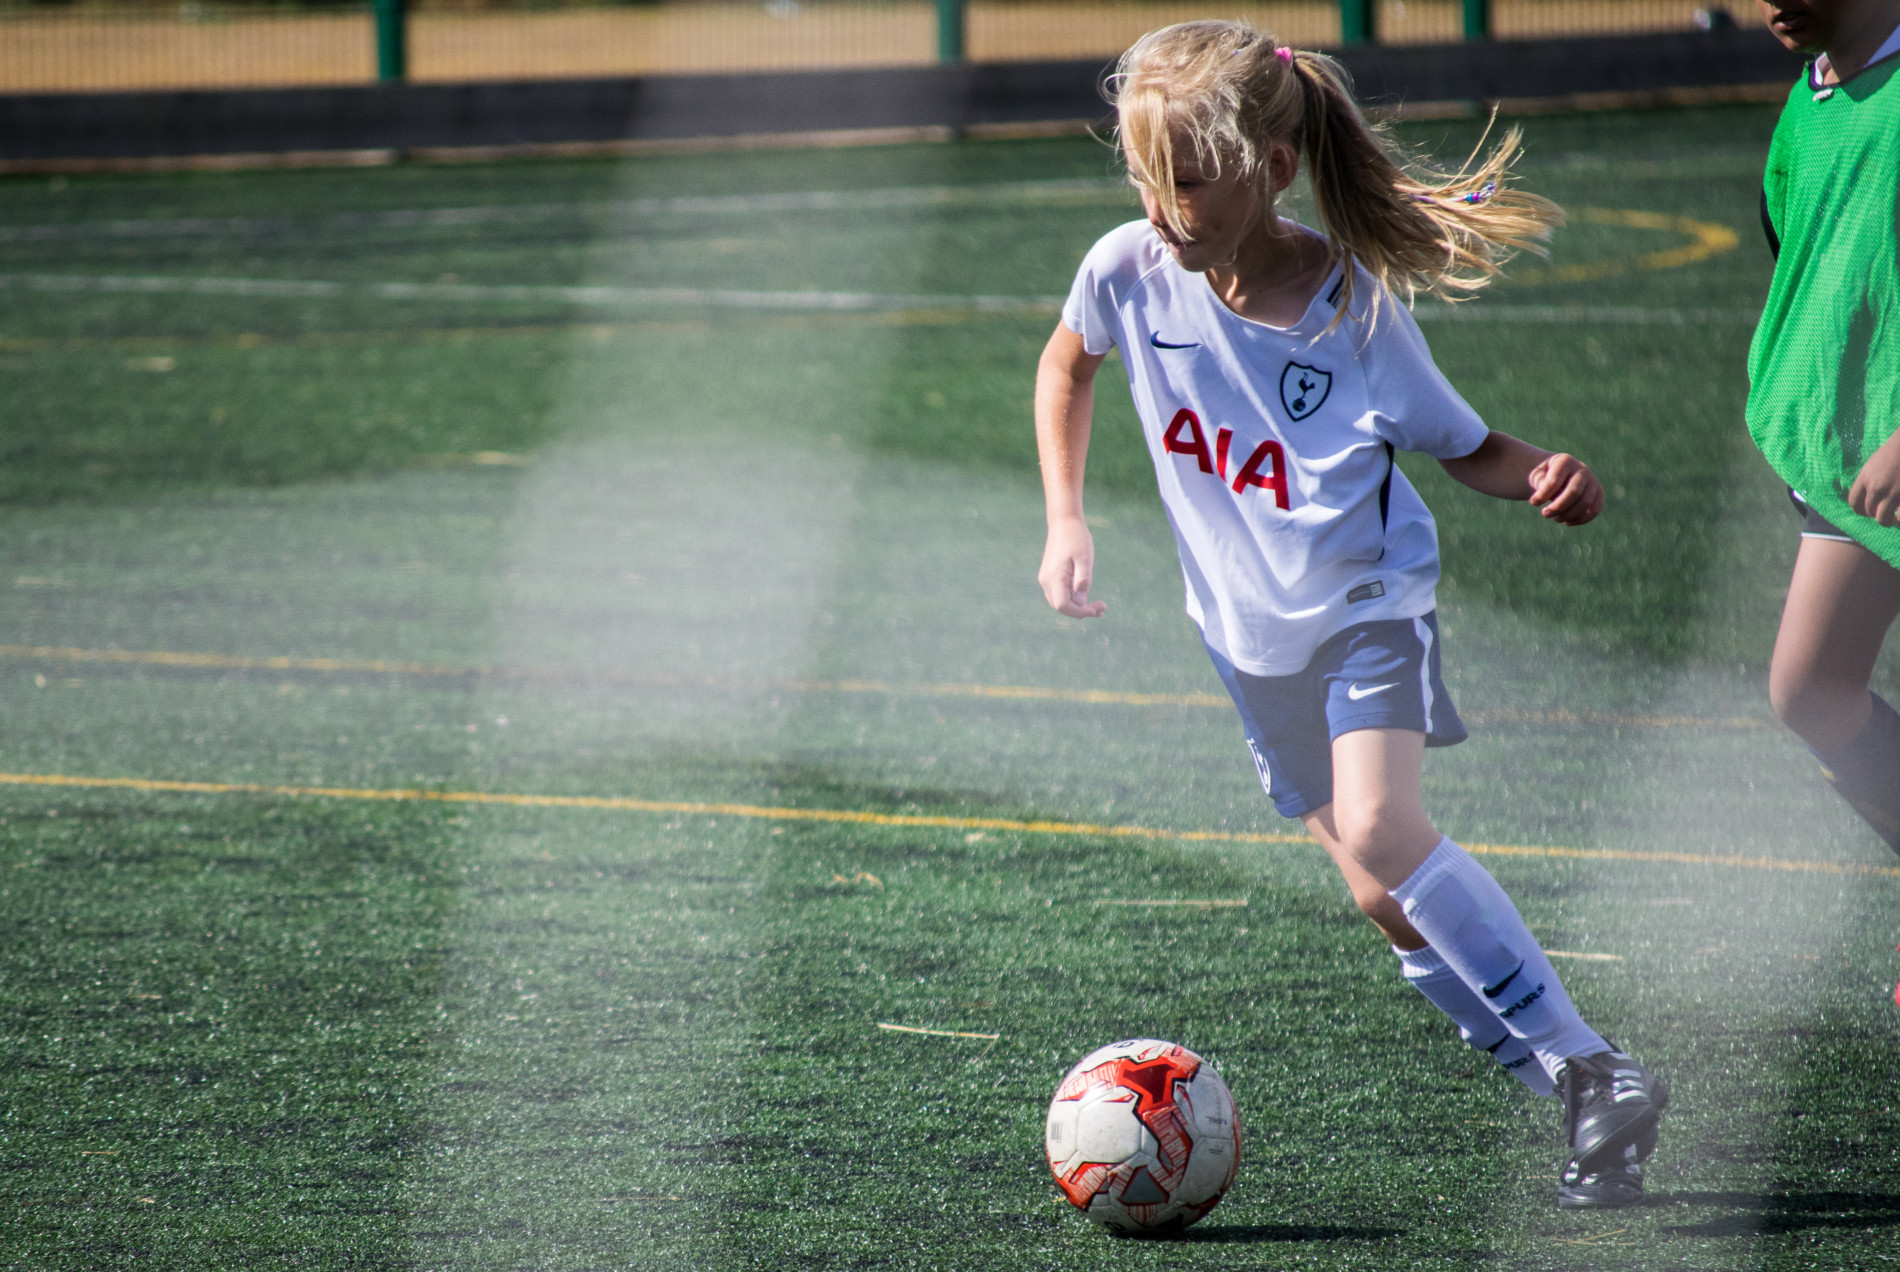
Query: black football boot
[1611, 1102]
[1608, 1187]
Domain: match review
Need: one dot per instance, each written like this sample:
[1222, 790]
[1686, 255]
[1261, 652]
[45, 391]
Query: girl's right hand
[1068, 568]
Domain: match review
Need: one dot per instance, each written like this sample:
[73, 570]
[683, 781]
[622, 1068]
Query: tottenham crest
[1303, 389]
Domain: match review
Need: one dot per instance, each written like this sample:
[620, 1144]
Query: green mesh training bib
[1824, 367]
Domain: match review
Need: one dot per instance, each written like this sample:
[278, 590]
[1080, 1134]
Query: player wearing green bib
[1824, 386]
[1824, 369]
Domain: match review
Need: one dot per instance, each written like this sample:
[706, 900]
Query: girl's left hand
[1565, 488]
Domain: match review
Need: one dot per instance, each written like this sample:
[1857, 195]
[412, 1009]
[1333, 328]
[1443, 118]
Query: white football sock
[1463, 914]
[1477, 1024]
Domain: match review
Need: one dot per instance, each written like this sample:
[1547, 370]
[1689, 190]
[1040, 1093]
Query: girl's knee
[1375, 830]
[1812, 704]
[1791, 689]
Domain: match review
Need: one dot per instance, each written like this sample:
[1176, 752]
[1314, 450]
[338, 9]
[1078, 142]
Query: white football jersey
[1273, 447]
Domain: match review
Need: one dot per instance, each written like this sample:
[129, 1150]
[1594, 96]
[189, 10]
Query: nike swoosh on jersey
[1154, 338]
[1354, 692]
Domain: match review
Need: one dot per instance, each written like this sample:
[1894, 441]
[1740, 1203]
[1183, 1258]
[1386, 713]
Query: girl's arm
[1065, 400]
[1562, 485]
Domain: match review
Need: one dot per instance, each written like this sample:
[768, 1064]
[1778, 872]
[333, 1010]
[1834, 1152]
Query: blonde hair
[1232, 91]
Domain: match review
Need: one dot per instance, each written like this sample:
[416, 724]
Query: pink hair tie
[1285, 54]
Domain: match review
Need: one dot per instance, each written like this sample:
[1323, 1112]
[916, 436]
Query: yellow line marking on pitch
[936, 1033]
[1706, 239]
[623, 804]
[913, 820]
[1012, 693]
[224, 662]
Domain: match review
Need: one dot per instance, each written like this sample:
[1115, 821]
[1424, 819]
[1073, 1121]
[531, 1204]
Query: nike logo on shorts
[1355, 692]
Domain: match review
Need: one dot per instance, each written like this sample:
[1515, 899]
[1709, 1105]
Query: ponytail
[1232, 91]
[1411, 225]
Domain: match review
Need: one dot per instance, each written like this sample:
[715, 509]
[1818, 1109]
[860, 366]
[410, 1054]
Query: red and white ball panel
[1143, 1136]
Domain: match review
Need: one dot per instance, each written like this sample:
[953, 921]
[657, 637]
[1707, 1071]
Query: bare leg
[1376, 903]
[1376, 830]
[1841, 601]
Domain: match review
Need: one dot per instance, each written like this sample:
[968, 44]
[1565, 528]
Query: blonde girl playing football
[1275, 373]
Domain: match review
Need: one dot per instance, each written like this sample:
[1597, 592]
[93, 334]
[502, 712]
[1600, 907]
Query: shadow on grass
[1262, 1233]
[1787, 1212]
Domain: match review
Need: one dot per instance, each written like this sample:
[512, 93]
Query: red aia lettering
[1222, 437]
[1171, 441]
[1266, 453]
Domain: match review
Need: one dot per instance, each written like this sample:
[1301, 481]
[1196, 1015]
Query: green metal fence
[87, 47]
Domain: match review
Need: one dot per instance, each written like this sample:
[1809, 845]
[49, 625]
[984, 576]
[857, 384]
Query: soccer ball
[1143, 1137]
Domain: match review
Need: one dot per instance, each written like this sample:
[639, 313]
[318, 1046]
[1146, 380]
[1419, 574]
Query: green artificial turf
[784, 561]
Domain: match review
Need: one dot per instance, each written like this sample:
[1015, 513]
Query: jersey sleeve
[1093, 309]
[1414, 406]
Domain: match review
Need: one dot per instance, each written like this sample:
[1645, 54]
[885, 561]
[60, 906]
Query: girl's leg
[1425, 971]
[1611, 1102]
[1377, 830]
[1841, 601]
[1367, 892]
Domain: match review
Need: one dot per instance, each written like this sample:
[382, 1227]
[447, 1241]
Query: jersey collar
[1819, 67]
[1327, 297]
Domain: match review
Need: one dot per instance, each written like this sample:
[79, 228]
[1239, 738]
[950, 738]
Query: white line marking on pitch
[593, 297]
[513, 214]
[1595, 315]
[606, 297]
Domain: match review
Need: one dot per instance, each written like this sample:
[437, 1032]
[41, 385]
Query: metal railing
[85, 47]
